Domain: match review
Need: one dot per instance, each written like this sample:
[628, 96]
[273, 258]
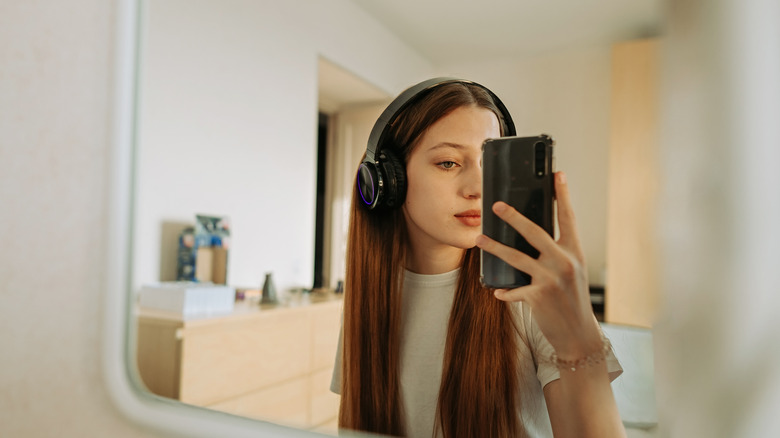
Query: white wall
[565, 94]
[55, 60]
[228, 121]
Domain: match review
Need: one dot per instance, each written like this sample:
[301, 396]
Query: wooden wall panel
[632, 286]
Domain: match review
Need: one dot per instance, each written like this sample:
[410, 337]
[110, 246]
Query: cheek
[427, 200]
[421, 189]
[415, 183]
[426, 190]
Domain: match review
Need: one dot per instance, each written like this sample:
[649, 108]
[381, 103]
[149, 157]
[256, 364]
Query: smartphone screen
[518, 171]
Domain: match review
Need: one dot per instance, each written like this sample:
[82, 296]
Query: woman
[428, 351]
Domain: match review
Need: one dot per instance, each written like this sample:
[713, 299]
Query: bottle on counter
[269, 290]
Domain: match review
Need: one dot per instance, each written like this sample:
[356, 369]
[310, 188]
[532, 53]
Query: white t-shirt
[427, 300]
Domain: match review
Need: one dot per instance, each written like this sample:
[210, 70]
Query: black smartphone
[518, 171]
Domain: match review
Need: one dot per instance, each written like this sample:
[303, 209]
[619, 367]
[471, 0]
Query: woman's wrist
[586, 355]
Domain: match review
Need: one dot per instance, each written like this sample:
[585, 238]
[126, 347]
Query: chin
[469, 243]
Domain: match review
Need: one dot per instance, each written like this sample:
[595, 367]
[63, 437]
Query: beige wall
[55, 62]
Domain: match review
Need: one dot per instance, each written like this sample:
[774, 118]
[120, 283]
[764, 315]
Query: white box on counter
[188, 298]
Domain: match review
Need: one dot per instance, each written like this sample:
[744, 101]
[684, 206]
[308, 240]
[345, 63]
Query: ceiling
[451, 31]
[338, 88]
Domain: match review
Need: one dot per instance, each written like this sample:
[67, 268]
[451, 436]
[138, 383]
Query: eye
[447, 165]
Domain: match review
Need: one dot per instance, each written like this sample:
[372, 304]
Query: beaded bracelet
[591, 359]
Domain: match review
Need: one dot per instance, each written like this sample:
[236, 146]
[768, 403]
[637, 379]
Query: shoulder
[524, 320]
[535, 342]
[541, 349]
[529, 331]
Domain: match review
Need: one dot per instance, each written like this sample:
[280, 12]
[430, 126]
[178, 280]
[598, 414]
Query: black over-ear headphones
[381, 177]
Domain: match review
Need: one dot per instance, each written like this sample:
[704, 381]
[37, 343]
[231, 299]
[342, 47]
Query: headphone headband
[408, 96]
[381, 179]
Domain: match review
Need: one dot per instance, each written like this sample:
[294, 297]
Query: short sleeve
[541, 349]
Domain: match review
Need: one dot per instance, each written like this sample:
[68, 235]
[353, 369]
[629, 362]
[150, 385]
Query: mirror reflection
[255, 114]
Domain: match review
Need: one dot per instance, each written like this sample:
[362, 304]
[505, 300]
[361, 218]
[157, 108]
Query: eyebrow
[447, 145]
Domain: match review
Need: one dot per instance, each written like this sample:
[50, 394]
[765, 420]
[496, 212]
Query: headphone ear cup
[394, 179]
[368, 184]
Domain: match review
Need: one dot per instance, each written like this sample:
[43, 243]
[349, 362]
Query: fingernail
[480, 240]
[561, 177]
[499, 207]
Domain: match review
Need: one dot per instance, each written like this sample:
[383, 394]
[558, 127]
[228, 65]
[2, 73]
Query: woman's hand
[558, 294]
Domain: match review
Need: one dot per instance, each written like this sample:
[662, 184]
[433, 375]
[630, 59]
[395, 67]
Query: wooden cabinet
[271, 363]
[632, 293]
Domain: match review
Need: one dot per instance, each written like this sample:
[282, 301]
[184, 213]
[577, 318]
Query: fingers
[511, 256]
[559, 262]
[525, 294]
[567, 223]
[533, 233]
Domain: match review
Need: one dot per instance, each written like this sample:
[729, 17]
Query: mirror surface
[232, 94]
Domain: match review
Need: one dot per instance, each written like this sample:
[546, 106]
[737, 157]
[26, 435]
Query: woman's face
[444, 180]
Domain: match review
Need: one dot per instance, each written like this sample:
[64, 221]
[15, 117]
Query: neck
[434, 260]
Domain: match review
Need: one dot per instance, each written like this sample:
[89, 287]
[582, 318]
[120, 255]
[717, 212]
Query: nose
[472, 184]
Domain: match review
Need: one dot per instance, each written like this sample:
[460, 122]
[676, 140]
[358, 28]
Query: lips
[471, 218]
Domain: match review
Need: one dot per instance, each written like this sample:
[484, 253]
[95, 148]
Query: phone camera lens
[540, 158]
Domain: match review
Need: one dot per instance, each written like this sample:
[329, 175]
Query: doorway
[348, 107]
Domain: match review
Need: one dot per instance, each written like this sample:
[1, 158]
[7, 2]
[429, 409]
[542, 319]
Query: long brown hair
[478, 393]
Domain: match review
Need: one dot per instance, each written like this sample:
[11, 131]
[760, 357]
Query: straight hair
[479, 388]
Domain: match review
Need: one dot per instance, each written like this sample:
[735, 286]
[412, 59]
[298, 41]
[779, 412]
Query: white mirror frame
[121, 379]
